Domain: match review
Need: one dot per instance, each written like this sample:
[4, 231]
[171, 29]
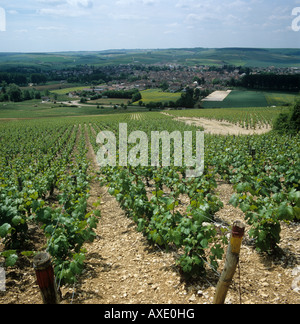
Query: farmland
[260, 106]
[67, 90]
[36, 109]
[51, 189]
[239, 99]
[247, 117]
[154, 95]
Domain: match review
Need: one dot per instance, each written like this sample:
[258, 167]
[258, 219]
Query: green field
[281, 98]
[67, 90]
[156, 95]
[240, 99]
[36, 109]
[52, 86]
[109, 101]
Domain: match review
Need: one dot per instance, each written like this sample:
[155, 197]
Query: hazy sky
[68, 25]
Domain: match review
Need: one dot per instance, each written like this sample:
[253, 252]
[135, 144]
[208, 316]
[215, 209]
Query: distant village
[171, 78]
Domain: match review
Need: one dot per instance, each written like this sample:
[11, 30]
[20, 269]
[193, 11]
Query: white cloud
[169, 32]
[129, 17]
[68, 8]
[149, 2]
[52, 2]
[50, 28]
[2, 20]
[81, 3]
[136, 2]
[22, 31]
[173, 25]
[12, 12]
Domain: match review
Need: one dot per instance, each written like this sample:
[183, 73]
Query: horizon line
[145, 49]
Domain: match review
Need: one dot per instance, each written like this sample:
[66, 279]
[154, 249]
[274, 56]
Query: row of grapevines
[263, 169]
[249, 118]
[39, 167]
[160, 220]
[153, 197]
[24, 178]
[265, 172]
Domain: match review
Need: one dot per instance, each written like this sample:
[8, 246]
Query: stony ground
[212, 126]
[122, 268]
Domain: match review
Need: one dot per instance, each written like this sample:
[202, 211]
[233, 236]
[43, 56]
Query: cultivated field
[37, 109]
[155, 95]
[217, 96]
[70, 89]
[109, 101]
[240, 99]
[246, 118]
[146, 234]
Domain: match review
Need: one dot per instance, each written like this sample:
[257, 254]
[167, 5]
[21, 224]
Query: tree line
[124, 94]
[132, 95]
[13, 93]
[22, 79]
[188, 99]
[270, 81]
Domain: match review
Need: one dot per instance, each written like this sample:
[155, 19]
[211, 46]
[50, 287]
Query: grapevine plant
[152, 197]
[160, 221]
[29, 178]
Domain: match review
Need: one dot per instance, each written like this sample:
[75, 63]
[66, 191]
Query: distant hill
[251, 57]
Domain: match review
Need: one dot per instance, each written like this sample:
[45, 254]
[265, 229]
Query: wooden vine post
[232, 259]
[45, 278]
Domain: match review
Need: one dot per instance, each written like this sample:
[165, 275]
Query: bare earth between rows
[212, 126]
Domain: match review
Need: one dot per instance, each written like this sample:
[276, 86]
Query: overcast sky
[72, 25]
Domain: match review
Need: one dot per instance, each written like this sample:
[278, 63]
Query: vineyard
[48, 174]
[247, 118]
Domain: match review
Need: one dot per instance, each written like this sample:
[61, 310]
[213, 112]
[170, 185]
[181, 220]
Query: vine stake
[232, 259]
[45, 278]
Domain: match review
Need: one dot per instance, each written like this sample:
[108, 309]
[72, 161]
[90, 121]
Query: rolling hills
[254, 57]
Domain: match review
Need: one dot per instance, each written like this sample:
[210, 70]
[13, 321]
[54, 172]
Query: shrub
[289, 122]
[295, 117]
